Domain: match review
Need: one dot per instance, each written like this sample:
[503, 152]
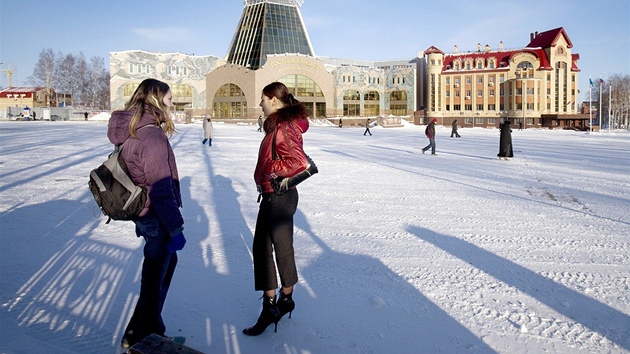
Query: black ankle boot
[268, 316]
[285, 304]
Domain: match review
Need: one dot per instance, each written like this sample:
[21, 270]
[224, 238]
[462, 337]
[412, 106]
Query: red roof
[433, 49]
[549, 38]
[537, 46]
[21, 90]
[501, 57]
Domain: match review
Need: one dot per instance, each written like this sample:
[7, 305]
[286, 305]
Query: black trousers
[274, 234]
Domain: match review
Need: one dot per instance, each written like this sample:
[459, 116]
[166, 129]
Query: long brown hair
[148, 98]
[293, 109]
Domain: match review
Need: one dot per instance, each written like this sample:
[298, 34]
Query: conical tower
[268, 27]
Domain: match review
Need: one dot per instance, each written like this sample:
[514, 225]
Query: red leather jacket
[290, 156]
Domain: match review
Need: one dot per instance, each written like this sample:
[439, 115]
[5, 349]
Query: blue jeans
[157, 271]
[430, 146]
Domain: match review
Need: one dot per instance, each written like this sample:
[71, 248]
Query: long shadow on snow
[62, 288]
[486, 190]
[386, 314]
[591, 313]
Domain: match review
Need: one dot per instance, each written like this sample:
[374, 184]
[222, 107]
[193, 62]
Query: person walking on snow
[430, 133]
[505, 142]
[207, 130]
[454, 129]
[367, 128]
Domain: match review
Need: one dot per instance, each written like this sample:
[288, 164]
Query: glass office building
[268, 27]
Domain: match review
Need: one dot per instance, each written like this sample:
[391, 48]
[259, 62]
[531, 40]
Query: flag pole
[609, 101]
[590, 104]
[600, 104]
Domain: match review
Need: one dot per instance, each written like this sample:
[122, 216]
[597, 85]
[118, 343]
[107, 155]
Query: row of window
[369, 110]
[490, 120]
[140, 68]
[373, 80]
[491, 107]
[469, 80]
[178, 90]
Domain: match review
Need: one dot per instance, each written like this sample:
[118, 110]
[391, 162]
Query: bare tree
[43, 71]
[73, 78]
[82, 80]
[615, 104]
[66, 68]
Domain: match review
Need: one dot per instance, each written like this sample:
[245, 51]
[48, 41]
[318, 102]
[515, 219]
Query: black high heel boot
[268, 316]
[285, 304]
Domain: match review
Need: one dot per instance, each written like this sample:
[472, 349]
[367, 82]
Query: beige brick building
[534, 86]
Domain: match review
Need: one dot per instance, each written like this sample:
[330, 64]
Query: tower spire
[268, 27]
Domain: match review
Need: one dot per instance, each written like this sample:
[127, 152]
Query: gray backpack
[114, 191]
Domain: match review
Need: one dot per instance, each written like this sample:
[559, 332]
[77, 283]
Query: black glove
[281, 185]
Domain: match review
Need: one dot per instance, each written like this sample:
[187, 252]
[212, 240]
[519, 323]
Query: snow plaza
[397, 252]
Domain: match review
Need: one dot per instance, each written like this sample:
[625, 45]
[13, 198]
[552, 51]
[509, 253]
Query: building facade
[15, 100]
[534, 86]
[186, 75]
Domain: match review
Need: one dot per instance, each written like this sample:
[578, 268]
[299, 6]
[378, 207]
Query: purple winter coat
[151, 163]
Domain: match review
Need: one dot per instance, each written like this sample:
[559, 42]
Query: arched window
[308, 92]
[351, 103]
[371, 103]
[130, 88]
[398, 103]
[229, 102]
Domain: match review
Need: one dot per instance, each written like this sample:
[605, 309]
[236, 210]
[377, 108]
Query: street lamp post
[524, 100]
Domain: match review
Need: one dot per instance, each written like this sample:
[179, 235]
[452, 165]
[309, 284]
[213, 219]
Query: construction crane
[9, 72]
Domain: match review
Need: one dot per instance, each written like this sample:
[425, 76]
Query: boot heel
[285, 305]
[268, 315]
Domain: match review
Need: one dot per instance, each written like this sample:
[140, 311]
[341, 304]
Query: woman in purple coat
[146, 126]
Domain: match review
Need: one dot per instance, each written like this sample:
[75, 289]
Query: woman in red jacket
[280, 159]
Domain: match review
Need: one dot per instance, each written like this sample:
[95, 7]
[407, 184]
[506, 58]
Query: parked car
[56, 117]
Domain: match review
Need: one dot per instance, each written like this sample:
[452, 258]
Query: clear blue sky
[351, 29]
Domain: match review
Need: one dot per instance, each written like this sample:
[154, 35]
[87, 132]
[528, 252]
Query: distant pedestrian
[454, 129]
[340, 123]
[367, 128]
[260, 123]
[207, 130]
[85, 115]
[430, 133]
[520, 125]
[34, 115]
[505, 143]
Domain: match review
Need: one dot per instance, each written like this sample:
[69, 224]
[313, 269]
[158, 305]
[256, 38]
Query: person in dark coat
[146, 125]
[430, 133]
[505, 143]
[454, 129]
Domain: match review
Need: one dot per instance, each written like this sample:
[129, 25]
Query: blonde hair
[148, 98]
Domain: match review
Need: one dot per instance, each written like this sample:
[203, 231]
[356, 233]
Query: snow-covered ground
[398, 252]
